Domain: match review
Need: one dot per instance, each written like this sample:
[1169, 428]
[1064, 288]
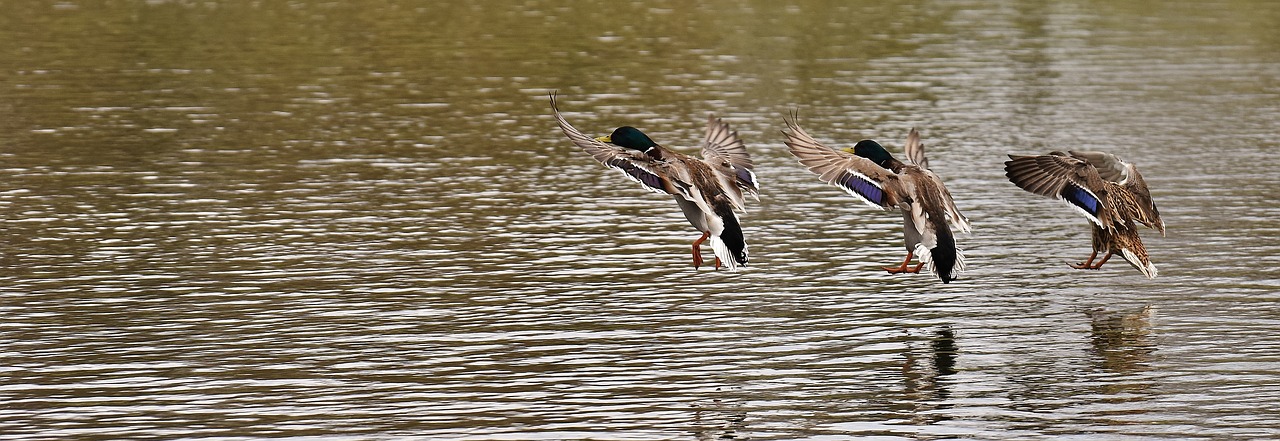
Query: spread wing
[1112, 168]
[1062, 177]
[635, 165]
[1145, 207]
[724, 149]
[948, 203]
[1109, 166]
[856, 175]
[915, 150]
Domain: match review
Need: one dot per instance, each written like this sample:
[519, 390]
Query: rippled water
[358, 221]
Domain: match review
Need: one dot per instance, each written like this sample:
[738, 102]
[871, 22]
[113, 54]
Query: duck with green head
[868, 172]
[707, 190]
[1106, 190]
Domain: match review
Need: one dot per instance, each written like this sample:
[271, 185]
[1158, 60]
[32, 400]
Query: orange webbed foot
[903, 268]
[697, 253]
[1087, 264]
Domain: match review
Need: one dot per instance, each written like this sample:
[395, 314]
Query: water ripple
[247, 244]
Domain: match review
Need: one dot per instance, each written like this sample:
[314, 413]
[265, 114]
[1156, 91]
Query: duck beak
[604, 139]
[848, 150]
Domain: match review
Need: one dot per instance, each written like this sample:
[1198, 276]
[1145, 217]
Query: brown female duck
[1106, 190]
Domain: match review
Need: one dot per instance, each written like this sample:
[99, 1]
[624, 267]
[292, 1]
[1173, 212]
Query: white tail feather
[1147, 268]
[723, 253]
[926, 257]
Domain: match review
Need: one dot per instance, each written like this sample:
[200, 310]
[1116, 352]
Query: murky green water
[357, 220]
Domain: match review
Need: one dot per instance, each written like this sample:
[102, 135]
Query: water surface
[358, 220]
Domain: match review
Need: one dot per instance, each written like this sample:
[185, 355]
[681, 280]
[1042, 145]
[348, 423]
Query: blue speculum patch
[1081, 198]
[648, 179]
[861, 186]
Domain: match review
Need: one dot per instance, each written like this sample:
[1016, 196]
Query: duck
[1108, 191]
[871, 174]
[709, 190]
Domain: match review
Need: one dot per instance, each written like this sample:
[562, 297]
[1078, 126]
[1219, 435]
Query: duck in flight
[868, 172]
[708, 190]
[1105, 189]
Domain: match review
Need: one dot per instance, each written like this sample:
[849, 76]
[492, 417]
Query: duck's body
[1106, 190]
[870, 173]
[707, 190]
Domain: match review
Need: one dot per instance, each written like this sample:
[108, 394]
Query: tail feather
[730, 246]
[944, 260]
[1140, 262]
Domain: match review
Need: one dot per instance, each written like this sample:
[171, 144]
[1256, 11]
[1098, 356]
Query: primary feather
[708, 190]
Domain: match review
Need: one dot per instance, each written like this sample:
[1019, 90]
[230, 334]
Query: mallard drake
[1106, 190]
[868, 172]
[708, 190]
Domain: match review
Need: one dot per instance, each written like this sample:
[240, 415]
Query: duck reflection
[721, 419]
[1122, 339]
[1123, 346]
[925, 375]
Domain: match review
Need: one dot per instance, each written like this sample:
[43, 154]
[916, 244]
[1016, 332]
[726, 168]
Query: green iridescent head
[629, 137]
[871, 150]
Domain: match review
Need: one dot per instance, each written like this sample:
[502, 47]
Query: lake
[358, 220]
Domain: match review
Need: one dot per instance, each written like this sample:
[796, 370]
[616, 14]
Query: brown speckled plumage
[1109, 192]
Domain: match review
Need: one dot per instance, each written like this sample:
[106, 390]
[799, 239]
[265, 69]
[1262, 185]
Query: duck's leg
[903, 268]
[1104, 260]
[697, 253]
[1088, 264]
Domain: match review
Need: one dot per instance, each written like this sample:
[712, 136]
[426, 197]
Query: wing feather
[1071, 180]
[634, 165]
[915, 150]
[856, 175]
[722, 148]
[949, 204]
[1145, 207]
[1110, 167]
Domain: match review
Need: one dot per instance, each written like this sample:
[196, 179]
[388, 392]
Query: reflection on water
[1122, 340]
[926, 380]
[1124, 348]
[356, 220]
